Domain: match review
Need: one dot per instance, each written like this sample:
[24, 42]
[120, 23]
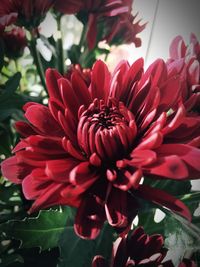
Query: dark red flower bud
[14, 42]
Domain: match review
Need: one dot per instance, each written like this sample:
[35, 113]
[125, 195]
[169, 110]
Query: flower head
[137, 249]
[29, 12]
[14, 42]
[186, 60]
[107, 20]
[93, 144]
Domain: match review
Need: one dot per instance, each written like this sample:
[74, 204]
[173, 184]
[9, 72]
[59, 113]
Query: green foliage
[42, 231]
[11, 86]
[77, 252]
[181, 237]
[10, 259]
[1, 54]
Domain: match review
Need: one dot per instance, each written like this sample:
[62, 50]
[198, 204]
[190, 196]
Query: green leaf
[9, 195]
[182, 236]
[11, 86]
[77, 252]
[42, 231]
[104, 242]
[12, 105]
[6, 260]
[146, 220]
[191, 200]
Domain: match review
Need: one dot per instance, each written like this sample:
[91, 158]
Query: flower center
[106, 129]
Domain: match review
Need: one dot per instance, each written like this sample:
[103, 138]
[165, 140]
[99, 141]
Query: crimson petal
[177, 48]
[35, 184]
[41, 118]
[82, 175]
[171, 167]
[90, 218]
[13, 171]
[120, 208]
[188, 154]
[99, 87]
[24, 129]
[50, 197]
[58, 170]
[164, 199]
[52, 77]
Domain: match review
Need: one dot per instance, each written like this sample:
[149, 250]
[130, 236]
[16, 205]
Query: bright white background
[166, 19]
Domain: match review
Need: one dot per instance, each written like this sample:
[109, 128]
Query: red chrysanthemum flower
[93, 144]
[123, 30]
[186, 60]
[29, 12]
[138, 249]
[109, 20]
[14, 42]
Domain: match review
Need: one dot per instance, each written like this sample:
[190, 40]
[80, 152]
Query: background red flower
[29, 12]
[186, 60]
[14, 42]
[137, 249]
[106, 20]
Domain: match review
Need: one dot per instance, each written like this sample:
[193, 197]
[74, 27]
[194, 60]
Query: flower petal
[83, 175]
[24, 129]
[188, 154]
[171, 167]
[99, 86]
[59, 169]
[52, 77]
[35, 184]
[41, 118]
[164, 199]
[120, 208]
[177, 48]
[90, 218]
[13, 171]
[50, 197]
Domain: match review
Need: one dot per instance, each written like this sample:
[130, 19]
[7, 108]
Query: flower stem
[83, 35]
[37, 61]
[16, 65]
[60, 51]
[85, 53]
